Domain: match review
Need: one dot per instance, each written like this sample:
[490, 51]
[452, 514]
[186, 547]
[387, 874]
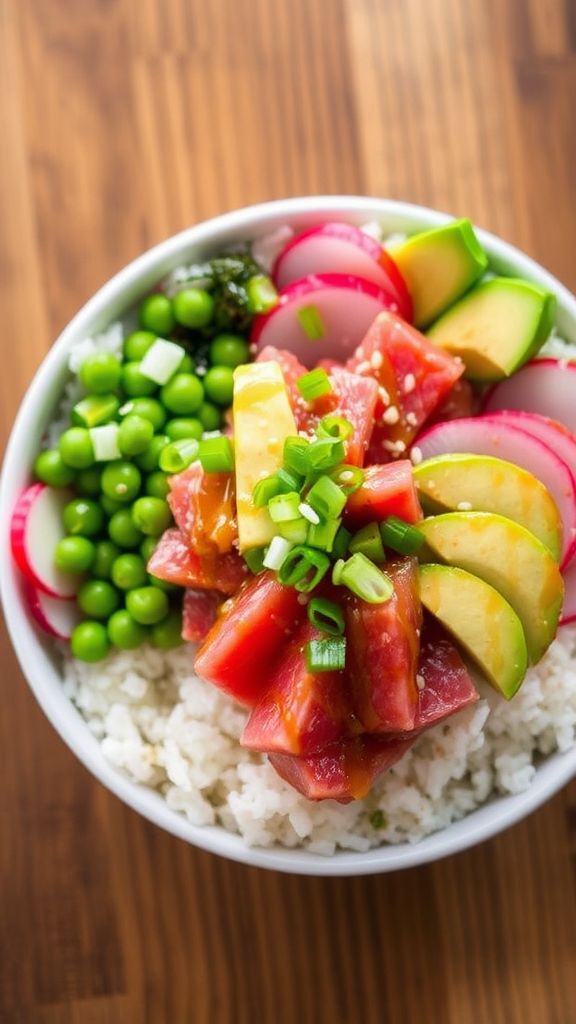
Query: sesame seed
[416, 456]
[420, 681]
[384, 396]
[395, 447]
[308, 512]
[376, 360]
[346, 476]
[391, 415]
[363, 367]
[302, 599]
[464, 506]
[253, 348]
[411, 419]
[409, 383]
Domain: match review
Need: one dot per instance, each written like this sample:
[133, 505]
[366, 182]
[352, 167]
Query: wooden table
[122, 122]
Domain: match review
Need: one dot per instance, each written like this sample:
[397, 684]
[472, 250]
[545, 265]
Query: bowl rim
[33, 652]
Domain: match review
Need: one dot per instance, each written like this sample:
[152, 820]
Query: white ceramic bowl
[35, 655]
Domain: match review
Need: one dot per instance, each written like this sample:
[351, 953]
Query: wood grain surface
[122, 121]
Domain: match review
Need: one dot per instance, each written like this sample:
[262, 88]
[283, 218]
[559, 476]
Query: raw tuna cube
[300, 712]
[382, 654]
[199, 613]
[344, 772]
[445, 683]
[204, 507]
[241, 649]
[173, 562]
[386, 491]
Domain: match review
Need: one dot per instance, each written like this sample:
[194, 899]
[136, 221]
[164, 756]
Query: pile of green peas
[119, 509]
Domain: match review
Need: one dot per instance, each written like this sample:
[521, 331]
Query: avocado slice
[479, 618]
[497, 327]
[482, 483]
[263, 419]
[439, 266]
[509, 558]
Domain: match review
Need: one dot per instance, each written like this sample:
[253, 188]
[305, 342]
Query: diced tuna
[204, 507]
[386, 491]
[199, 613]
[173, 562]
[445, 685]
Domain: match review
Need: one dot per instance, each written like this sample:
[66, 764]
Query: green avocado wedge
[509, 558]
[496, 327]
[439, 266]
[482, 483]
[478, 618]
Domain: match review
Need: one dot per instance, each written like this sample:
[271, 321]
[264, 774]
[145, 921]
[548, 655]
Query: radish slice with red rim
[322, 316]
[544, 386]
[491, 435]
[552, 433]
[342, 249]
[55, 617]
[35, 530]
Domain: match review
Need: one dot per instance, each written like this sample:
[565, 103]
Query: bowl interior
[38, 658]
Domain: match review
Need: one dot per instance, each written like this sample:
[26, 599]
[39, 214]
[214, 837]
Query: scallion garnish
[311, 322]
[335, 426]
[177, 456]
[289, 480]
[216, 455]
[295, 530]
[324, 454]
[326, 655]
[94, 410]
[326, 616]
[401, 536]
[284, 507]
[277, 552]
[254, 559]
[323, 535]
[341, 542]
[295, 457]
[303, 568]
[266, 489]
[326, 498]
[349, 478]
[262, 295]
[368, 542]
[364, 579]
[314, 384]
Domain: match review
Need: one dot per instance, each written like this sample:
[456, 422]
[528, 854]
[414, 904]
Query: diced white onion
[279, 548]
[161, 361]
[105, 442]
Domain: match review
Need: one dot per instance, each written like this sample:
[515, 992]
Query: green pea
[181, 429]
[88, 481]
[183, 394]
[148, 408]
[168, 633]
[89, 641]
[106, 555]
[168, 588]
[156, 485]
[210, 416]
[124, 632]
[83, 516]
[135, 383]
[76, 449]
[229, 350]
[219, 384]
[193, 307]
[98, 599]
[151, 515]
[51, 469]
[147, 605]
[148, 547]
[100, 373]
[134, 435]
[123, 531]
[148, 460]
[121, 481]
[110, 505]
[137, 344]
[74, 554]
[155, 314]
[129, 571]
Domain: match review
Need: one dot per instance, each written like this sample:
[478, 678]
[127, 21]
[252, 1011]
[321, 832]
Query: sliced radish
[341, 249]
[569, 609]
[546, 386]
[552, 433]
[321, 316]
[35, 530]
[56, 617]
[487, 435]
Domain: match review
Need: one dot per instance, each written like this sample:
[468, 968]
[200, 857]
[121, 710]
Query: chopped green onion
[262, 295]
[216, 455]
[368, 542]
[94, 410]
[341, 542]
[266, 489]
[326, 498]
[284, 507]
[254, 559]
[401, 536]
[314, 384]
[161, 361]
[349, 478]
[289, 481]
[337, 571]
[105, 442]
[324, 454]
[364, 579]
[378, 819]
[303, 568]
[177, 456]
[323, 535]
[335, 426]
[295, 530]
[277, 553]
[326, 655]
[326, 615]
[295, 454]
[311, 322]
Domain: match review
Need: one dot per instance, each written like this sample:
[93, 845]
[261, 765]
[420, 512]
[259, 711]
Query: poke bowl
[387, 664]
